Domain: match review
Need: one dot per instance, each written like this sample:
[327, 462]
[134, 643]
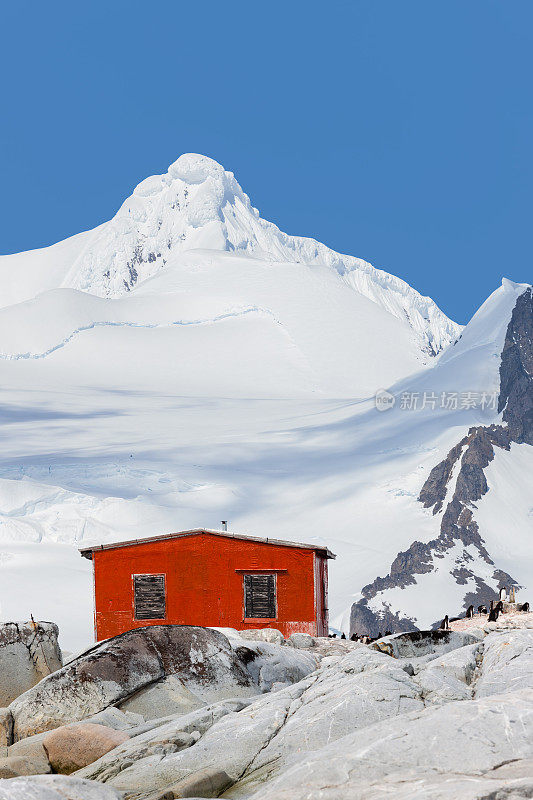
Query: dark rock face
[516, 371]
[365, 622]
[474, 452]
[433, 491]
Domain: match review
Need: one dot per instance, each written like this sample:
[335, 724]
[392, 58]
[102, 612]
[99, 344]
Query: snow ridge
[197, 204]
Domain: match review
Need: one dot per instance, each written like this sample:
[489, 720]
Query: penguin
[353, 637]
[499, 606]
[493, 613]
[343, 636]
[503, 593]
[482, 609]
[444, 626]
[523, 607]
[470, 612]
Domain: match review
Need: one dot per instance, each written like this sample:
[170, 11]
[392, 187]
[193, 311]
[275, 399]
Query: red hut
[210, 578]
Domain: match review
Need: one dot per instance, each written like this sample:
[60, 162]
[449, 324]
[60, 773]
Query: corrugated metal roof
[87, 552]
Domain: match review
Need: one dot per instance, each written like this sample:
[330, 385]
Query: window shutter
[260, 596]
[149, 596]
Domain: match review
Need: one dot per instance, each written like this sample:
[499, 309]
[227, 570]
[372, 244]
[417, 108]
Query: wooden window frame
[253, 574]
[146, 575]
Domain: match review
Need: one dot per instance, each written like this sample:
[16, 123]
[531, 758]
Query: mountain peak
[196, 168]
[191, 169]
[197, 204]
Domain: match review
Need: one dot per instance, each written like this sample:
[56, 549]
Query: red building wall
[204, 583]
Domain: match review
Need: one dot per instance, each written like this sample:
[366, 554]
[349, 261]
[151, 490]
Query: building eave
[87, 552]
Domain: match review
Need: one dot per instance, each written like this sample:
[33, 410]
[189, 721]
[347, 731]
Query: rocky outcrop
[426, 710]
[159, 739]
[28, 652]
[362, 687]
[411, 761]
[473, 748]
[469, 457]
[33, 750]
[117, 668]
[363, 724]
[272, 666]
[157, 670]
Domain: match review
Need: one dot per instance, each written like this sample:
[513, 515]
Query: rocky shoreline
[180, 711]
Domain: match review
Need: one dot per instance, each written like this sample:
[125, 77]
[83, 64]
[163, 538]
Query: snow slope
[93, 451]
[234, 381]
[248, 328]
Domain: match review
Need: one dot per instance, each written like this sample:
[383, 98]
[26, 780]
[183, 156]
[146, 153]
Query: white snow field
[187, 362]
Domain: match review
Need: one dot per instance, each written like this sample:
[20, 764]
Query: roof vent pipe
[224, 525]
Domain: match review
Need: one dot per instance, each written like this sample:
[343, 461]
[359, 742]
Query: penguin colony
[494, 610]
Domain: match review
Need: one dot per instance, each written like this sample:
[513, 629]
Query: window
[149, 596]
[259, 596]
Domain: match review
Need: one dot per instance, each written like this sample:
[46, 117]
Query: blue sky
[399, 132]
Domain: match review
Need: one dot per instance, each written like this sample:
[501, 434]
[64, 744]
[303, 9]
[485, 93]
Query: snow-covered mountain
[198, 205]
[187, 362]
[478, 496]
